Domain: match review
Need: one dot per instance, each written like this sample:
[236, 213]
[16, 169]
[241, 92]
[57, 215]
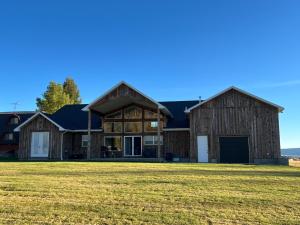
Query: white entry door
[202, 149]
[40, 144]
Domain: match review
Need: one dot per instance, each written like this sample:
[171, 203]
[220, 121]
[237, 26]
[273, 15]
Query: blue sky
[171, 50]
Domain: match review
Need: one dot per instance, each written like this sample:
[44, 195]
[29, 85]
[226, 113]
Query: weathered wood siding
[236, 114]
[178, 143]
[39, 124]
[73, 144]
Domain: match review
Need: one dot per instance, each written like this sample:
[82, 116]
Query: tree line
[57, 95]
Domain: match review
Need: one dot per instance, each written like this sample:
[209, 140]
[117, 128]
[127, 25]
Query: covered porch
[132, 126]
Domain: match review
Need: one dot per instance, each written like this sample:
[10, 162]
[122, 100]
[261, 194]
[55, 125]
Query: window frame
[9, 136]
[154, 142]
[133, 132]
[84, 141]
[118, 136]
[113, 132]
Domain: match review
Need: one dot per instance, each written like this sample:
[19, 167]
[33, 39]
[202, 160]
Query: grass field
[141, 193]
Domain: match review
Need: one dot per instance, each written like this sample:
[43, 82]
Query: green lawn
[145, 193]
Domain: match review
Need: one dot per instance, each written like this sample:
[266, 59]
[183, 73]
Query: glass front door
[133, 146]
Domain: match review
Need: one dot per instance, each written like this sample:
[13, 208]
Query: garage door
[234, 150]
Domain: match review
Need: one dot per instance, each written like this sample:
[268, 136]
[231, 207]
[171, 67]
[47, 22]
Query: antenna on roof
[200, 99]
[15, 104]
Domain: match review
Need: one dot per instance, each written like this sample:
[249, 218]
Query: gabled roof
[280, 108]
[163, 108]
[34, 116]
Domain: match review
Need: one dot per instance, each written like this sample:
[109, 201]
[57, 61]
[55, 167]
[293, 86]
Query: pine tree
[71, 89]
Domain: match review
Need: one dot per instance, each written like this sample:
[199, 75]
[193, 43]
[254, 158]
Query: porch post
[88, 155]
[158, 133]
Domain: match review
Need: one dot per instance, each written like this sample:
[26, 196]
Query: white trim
[32, 155]
[74, 131]
[176, 129]
[132, 147]
[280, 108]
[82, 141]
[17, 129]
[86, 108]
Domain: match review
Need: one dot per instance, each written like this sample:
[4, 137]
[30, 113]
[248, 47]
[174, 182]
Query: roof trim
[176, 129]
[280, 108]
[17, 129]
[85, 130]
[86, 108]
[21, 112]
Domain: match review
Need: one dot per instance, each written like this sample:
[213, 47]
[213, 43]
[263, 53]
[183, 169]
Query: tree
[71, 89]
[53, 99]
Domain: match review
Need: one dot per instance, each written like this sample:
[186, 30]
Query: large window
[113, 127]
[133, 127]
[133, 113]
[113, 143]
[151, 126]
[152, 140]
[84, 141]
[115, 115]
[151, 115]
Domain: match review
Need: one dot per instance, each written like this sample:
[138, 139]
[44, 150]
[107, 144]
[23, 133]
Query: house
[233, 126]
[9, 140]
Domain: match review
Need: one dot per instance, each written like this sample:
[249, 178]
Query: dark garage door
[234, 150]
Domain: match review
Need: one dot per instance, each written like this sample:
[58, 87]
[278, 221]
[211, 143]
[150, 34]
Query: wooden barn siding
[236, 114]
[124, 90]
[39, 124]
[177, 142]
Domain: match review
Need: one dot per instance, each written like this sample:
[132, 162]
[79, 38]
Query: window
[115, 115]
[151, 115]
[113, 127]
[84, 141]
[151, 126]
[14, 120]
[133, 127]
[133, 113]
[9, 136]
[113, 143]
[152, 140]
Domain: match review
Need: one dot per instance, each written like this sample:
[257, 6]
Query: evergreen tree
[53, 99]
[71, 89]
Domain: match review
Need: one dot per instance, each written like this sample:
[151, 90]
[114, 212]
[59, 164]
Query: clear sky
[171, 50]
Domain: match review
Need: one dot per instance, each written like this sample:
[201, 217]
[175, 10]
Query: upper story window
[151, 126]
[151, 115]
[133, 127]
[115, 115]
[133, 113]
[9, 136]
[14, 120]
[113, 127]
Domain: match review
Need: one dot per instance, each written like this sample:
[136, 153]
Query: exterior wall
[39, 124]
[178, 143]
[73, 145]
[236, 114]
